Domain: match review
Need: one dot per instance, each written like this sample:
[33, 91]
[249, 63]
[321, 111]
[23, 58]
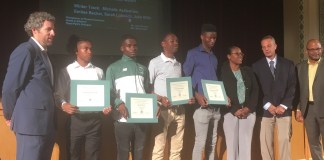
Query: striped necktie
[272, 68]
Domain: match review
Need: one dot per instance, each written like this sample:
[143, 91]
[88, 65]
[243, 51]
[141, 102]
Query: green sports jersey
[127, 76]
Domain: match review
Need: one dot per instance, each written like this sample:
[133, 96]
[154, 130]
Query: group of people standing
[273, 84]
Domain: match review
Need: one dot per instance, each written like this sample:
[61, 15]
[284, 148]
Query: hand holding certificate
[141, 108]
[214, 91]
[179, 90]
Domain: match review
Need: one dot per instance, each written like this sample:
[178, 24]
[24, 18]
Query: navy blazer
[318, 87]
[27, 94]
[277, 91]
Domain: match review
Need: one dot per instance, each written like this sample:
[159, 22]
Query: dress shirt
[268, 104]
[312, 68]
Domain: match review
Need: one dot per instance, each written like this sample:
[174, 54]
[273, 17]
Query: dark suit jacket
[277, 91]
[318, 87]
[27, 91]
[230, 84]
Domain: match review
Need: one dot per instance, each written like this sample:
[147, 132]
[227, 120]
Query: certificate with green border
[90, 95]
[142, 108]
[214, 91]
[179, 90]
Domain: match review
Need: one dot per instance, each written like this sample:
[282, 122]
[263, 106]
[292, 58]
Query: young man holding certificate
[85, 127]
[201, 64]
[127, 76]
[171, 117]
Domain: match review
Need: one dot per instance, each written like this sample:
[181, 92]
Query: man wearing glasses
[311, 86]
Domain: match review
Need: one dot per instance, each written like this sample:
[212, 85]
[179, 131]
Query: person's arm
[114, 94]
[147, 85]
[115, 100]
[161, 100]
[296, 105]
[201, 99]
[287, 101]
[188, 68]
[298, 115]
[62, 85]
[19, 72]
[252, 102]
[62, 93]
[106, 110]
[152, 76]
[266, 104]
[188, 65]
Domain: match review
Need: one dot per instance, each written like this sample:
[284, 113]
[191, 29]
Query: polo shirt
[161, 68]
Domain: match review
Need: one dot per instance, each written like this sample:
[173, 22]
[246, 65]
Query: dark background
[241, 23]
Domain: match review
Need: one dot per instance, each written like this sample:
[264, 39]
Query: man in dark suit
[277, 79]
[311, 102]
[28, 100]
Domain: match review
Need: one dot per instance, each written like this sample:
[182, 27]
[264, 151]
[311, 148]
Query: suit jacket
[28, 99]
[279, 90]
[230, 84]
[318, 87]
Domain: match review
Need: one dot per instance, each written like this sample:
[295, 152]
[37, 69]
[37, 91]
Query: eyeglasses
[238, 53]
[313, 49]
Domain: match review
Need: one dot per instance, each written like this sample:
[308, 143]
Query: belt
[213, 108]
[175, 106]
[177, 109]
[87, 115]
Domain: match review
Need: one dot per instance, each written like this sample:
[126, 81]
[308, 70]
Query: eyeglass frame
[313, 49]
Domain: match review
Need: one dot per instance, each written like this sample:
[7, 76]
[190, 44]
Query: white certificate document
[179, 90]
[90, 95]
[215, 92]
[141, 107]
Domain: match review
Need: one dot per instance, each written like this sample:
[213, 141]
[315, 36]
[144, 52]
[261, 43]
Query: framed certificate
[142, 108]
[214, 91]
[179, 90]
[90, 95]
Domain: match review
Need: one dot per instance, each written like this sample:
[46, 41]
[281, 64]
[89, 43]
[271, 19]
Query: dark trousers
[130, 137]
[85, 131]
[315, 128]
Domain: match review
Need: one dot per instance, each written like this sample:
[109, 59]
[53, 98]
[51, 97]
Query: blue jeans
[206, 122]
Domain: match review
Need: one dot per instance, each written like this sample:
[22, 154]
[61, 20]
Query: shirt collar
[77, 65]
[40, 46]
[165, 58]
[126, 58]
[317, 62]
[202, 49]
[274, 60]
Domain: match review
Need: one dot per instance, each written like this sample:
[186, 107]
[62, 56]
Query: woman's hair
[229, 50]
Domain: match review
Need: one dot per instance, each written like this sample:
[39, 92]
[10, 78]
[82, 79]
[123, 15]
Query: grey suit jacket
[318, 87]
[27, 93]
